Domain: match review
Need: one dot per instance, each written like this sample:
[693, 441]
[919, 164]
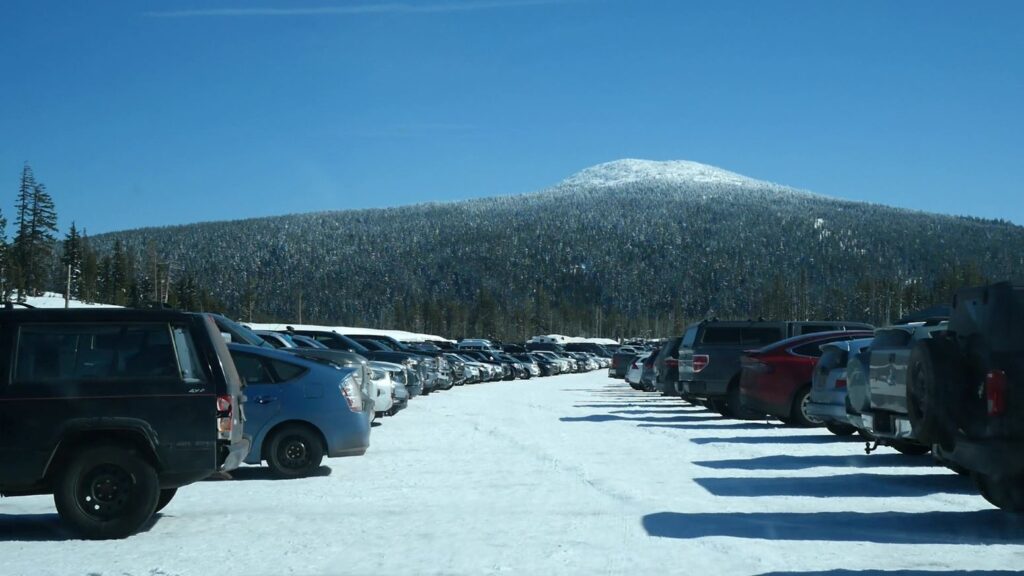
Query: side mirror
[226, 337]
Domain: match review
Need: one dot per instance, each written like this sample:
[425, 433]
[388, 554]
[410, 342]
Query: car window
[813, 349]
[717, 335]
[67, 352]
[251, 369]
[188, 359]
[761, 335]
[286, 371]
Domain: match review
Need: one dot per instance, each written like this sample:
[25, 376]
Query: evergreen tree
[33, 244]
[6, 285]
[88, 283]
[71, 262]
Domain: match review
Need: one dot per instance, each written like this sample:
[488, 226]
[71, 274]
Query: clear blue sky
[140, 113]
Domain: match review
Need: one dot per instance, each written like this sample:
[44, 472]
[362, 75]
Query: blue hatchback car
[298, 410]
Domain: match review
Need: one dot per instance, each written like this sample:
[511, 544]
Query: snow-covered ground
[575, 474]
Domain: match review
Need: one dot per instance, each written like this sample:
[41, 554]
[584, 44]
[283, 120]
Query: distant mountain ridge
[620, 248]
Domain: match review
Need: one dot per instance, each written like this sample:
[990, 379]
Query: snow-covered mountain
[619, 248]
[631, 171]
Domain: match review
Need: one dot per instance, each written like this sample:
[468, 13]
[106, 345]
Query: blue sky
[138, 113]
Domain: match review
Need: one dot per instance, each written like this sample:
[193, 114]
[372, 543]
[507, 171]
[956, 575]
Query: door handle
[266, 399]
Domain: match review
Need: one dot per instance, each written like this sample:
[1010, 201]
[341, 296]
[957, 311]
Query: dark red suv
[776, 379]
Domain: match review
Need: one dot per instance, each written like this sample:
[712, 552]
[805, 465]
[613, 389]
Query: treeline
[35, 261]
[639, 258]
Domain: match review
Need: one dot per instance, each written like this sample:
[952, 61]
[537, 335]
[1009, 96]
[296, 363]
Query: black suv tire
[106, 492]
[165, 498]
[294, 451]
[1005, 492]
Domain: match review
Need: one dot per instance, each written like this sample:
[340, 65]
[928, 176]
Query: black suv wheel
[106, 492]
[1006, 492]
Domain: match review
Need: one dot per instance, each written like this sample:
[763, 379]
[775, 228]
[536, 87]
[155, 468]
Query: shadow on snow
[980, 527]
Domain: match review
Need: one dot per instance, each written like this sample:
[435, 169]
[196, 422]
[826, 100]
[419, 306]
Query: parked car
[386, 376]
[647, 375]
[564, 365]
[965, 392]
[340, 343]
[776, 379]
[299, 410]
[547, 366]
[241, 334]
[112, 410]
[635, 371]
[438, 371]
[829, 383]
[666, 367]
[545, 347]
[710, 351]
[593, 348]
[475, 344]
[621, 361]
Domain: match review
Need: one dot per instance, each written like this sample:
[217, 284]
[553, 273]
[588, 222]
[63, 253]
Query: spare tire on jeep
[932, 370]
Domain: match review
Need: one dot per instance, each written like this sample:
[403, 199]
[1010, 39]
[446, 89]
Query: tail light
[995, 392]
[352, 393]
[672, 363]
[225, 417]
[841, 383]
[700, 362]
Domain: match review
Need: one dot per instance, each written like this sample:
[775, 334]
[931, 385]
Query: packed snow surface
[630, 170]
[575, 474]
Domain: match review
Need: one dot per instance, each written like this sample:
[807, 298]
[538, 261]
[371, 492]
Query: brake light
[700, 362]
[353, 395]
[841, 383]
[995, 392]
[672, 363]
[225, 417]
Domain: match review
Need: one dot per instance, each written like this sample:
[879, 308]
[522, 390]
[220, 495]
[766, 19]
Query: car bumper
[828, 412]
[233, 454]
[887, 426]
[352, 439]
[704, 388]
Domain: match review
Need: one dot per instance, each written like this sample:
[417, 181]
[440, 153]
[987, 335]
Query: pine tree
[33, 244]
[5, 265]
[88, 285]
[71, 261]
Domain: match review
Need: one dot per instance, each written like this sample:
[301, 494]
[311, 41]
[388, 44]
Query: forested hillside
[624, 248]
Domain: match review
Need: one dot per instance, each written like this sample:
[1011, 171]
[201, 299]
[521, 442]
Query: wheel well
[269, 437]
[74, 441]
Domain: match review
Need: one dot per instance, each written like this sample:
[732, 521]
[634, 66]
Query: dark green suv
[112, 410]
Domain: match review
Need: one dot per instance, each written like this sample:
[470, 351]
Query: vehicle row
[948, 380]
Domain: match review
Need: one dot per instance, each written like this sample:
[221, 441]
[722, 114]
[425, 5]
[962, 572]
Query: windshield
[239, 333]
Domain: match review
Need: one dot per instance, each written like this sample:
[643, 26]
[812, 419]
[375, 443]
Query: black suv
[710, 352]
[111, 410]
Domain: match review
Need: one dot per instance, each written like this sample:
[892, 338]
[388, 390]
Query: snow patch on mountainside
[630, 170]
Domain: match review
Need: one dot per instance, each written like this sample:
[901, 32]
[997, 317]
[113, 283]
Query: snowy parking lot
[575, 474]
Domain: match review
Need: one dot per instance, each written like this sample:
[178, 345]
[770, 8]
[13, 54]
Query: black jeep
[111, 410]
[965, 391]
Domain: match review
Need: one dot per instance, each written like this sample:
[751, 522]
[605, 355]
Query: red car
[776, 379]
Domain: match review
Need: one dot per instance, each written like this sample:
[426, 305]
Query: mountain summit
[678, 172]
